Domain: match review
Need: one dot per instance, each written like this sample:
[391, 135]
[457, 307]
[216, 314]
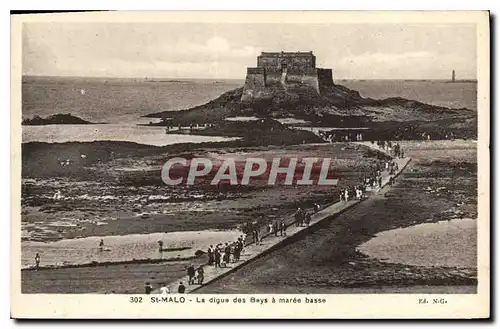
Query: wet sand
[118, 202]
[450, 243]
[328, 260]
[122, 248]
[124, 278]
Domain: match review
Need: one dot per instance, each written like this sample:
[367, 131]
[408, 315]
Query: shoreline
[125, 262]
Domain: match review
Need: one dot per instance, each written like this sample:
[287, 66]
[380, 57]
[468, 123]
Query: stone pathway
[271, 242]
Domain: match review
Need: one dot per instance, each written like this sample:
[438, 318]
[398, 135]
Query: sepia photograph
[284, 155]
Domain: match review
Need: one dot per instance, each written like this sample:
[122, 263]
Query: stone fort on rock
[286, 70]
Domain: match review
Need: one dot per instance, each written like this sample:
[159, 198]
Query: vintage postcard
[252, 165]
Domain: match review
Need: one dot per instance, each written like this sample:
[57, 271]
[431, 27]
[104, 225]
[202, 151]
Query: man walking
[298, 214]
[164, 289]
[282, 228]
[217, 257]
[148, 288]
[201, 275]
[37, 261]
[308, 219]
[210, 253]
[191, 273]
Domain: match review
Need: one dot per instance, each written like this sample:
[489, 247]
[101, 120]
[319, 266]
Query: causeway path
[271, 242]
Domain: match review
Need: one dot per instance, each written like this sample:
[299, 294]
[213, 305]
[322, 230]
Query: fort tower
[286, 69]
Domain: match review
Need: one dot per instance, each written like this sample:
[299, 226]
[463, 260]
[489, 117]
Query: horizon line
[223, 78]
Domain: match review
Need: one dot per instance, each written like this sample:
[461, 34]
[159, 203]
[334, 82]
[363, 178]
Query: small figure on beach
[210, 253]
[201, 275]
[254, 237]
[101, 245]
[217, 257]
[222, 259]
[191, 273]
[255, 234]
[148, 288]
[237, 250]
[282, 228]
[164, 289]
[308, 219]
[299, 217]
[37, 261]
[181, 289]
[232, 248]
[160, 246]
[227, 254]
[275, 228]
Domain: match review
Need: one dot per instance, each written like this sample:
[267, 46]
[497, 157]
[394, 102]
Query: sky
[224, 51]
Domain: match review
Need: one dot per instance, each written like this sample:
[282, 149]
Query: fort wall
[273, 77]
[286, 69]
[297, 63]
[256, 77]
[308, 78]
[325, 77]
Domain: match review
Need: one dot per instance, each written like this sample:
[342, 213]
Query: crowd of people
[374, 178]
[393, 149]
[223, 254]
[227, 253]
[302, 218]
[332, 136]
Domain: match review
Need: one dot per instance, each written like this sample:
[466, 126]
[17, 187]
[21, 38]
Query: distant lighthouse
[453, 76]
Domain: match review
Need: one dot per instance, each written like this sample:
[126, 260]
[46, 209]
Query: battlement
[297, 61]
[285, 68]
[285, 53]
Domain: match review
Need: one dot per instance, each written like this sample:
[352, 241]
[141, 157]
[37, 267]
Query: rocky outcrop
[56, 119]
[335, 105]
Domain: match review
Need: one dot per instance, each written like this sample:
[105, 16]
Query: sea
[121, 103]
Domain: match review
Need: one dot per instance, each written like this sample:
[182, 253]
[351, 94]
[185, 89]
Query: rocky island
[56, 119]
[290, 86]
